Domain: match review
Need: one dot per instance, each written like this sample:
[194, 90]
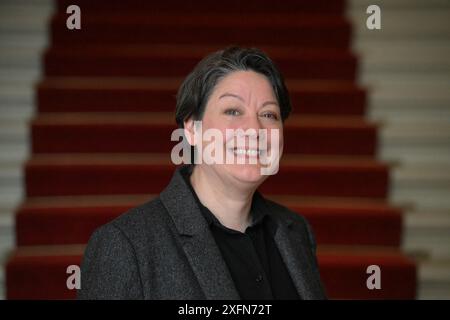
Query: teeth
[248, 152]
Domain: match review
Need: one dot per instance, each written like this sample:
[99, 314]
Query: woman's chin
[246, 173]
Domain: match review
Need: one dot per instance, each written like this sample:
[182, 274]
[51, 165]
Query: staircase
[407, 67]
[23, 36]
[100, 136]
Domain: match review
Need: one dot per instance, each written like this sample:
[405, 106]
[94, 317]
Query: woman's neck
[231, 206]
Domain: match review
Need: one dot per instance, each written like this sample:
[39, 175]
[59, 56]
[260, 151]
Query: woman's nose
[251, 130]
[252, 122]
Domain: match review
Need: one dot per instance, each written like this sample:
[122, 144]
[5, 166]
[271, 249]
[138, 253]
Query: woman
[210, 234]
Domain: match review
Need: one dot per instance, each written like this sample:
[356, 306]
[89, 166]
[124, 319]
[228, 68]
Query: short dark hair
[195, 90]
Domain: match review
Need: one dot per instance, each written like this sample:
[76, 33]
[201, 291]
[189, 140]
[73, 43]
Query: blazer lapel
[297, 259]
[198, 243]
[209, 267]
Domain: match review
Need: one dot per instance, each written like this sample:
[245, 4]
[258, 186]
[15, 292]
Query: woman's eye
[270, 116]
[232, 112]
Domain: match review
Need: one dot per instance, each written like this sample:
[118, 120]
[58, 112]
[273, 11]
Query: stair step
[177, 61]
[13, 153]
[435, 279]
[32, 24]
[416, 134]
[84, 174]
[428, 230]
[338, 265]
[423, 176]
[10, 174]
[414, 90]
[412, 57]
[325, 30]
[26, 76]
[7, 236]
[59, 220]
[145, 132]
[18, 8]
[205, 6]
[16, 95]
[343, 270]
[424, 185]
[436, 113]
[61, 94]
[32, 39]
[432, 157]
[13, 132]
[16, 113]
[405, 23]
[10, 196]
[399, 4]
[403, 99]
[15, 59]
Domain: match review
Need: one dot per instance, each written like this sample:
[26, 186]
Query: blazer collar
[198, 243]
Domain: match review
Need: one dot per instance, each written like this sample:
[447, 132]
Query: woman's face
[244, 100]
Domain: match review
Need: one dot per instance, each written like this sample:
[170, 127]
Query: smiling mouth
[247, 152]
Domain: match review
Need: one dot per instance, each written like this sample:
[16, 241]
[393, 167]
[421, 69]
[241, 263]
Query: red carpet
[92, 94]
[165, 60]
[71, 220]
[256, 29]
[83, 174]
[109, 89]
[342, 269]
[98, 133]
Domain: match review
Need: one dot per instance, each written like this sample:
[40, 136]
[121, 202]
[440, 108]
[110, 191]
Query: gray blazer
[164, 249]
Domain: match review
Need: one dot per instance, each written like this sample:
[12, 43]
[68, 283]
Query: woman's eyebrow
[231, 95]
[268, 103]
[227, 94]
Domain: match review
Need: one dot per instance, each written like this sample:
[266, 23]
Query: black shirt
[252, 257]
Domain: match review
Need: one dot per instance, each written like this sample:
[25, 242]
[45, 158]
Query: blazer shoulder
[286, 213]
[136, 223]
[139, 217]
[109, 266]
[298, 220]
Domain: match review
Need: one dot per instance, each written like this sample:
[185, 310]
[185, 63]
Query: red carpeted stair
[93, 94]
[71, 220]
[343, 269]
[101, 135]
[133, 132]
[166, 60]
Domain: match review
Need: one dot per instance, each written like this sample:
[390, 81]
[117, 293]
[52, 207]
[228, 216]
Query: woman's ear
[189, 130]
